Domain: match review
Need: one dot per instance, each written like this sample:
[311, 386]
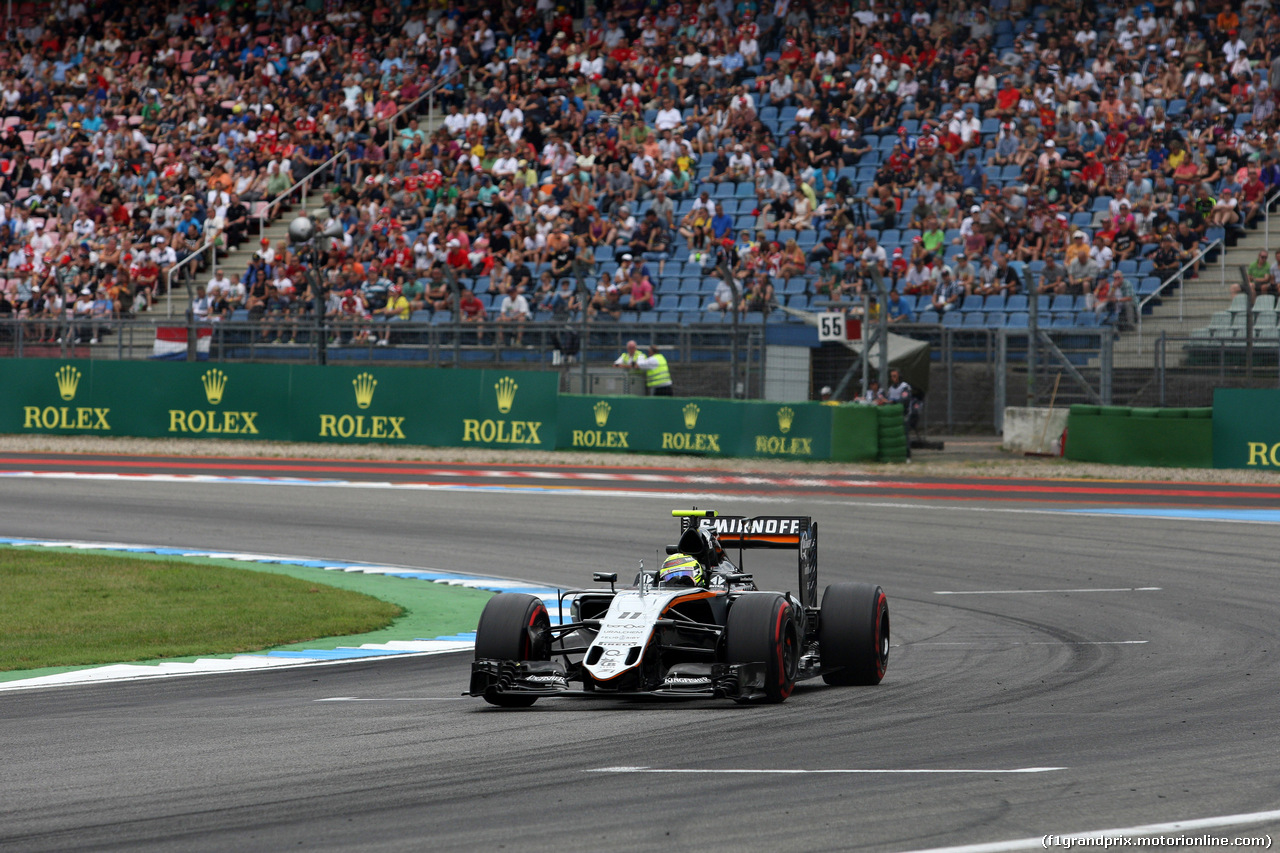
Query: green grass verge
[56, 607]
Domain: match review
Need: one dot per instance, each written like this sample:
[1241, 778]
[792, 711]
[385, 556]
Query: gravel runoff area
[963, 456]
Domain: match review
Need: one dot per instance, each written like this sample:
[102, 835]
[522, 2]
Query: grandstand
[831, 147]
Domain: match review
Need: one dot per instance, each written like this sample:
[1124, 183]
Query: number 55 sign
[831, 327]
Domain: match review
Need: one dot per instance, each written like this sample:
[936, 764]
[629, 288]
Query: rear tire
[853, 634]
[513, 626]
[762, 627]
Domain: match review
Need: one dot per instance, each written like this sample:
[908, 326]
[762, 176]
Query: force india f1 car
[724, 638]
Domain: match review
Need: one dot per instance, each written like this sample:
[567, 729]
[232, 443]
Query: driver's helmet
[681, 570]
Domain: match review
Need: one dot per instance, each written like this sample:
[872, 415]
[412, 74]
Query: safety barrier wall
[1121, 435]
[438, 407]
[702, 426]
[1246, 428]
[482, 408]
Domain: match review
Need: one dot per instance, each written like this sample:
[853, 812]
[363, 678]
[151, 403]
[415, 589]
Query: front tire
[853, 634]
[762, 627]
[513, 626]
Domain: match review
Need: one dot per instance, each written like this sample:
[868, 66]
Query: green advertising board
[708, 427]
[482, 408]
[1119, 435]
[408, 405]
[1246, 428]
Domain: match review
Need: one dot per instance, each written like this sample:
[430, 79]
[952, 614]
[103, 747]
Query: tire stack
[892, 445]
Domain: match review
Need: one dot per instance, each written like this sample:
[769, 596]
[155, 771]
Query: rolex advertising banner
[482, 408]
[408, 405]
[443, 408]
[1246, 428]
[700, 426]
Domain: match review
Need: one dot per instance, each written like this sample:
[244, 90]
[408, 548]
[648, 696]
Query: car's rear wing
[786, 532]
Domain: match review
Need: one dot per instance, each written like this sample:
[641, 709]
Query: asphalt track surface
[1157, 705]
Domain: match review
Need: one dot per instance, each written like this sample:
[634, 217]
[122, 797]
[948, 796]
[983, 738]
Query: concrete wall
[1024, 426]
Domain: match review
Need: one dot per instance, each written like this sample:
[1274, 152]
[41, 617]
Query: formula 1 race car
[706, 631]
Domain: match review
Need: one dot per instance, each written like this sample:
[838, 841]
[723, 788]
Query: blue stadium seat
[953, 319]
[1016, 303]
[1017, 320]
[994, 303]
[1147, 286]
[972, 319]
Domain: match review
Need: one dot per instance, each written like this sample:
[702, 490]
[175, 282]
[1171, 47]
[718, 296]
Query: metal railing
[1200, 365]
[210, 246]
[296, 338]
[429, 96]
[1182, 291]
[302, 186]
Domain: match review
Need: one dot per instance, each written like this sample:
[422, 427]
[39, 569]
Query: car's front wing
[741, 681]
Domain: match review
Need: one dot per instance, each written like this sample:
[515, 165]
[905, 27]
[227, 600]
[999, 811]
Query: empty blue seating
[1016, 303]
[1017, 320]
[1147, 286]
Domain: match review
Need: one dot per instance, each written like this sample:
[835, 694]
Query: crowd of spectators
[673, 161]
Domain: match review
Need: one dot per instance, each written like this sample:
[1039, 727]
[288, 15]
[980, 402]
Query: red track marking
[706, 477]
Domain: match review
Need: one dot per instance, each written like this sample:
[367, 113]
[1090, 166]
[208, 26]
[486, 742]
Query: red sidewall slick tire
[762, 627]
[853, 634]
[513, 626]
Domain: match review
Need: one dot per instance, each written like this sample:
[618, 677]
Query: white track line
[795, 772]
[394, 699]
[1036, 643]
[673, 494]
[1040, 591]
[1179, 826]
